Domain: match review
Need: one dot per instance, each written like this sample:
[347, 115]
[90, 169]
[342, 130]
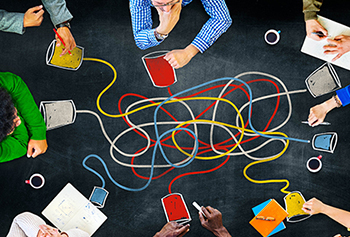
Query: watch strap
[63, 24]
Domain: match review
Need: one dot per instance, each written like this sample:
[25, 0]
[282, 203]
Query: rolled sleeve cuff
[19, 24]
[344, 96]
[39, 133]
[200, 44]
[12, 22]
[310, 16]
[146, 39]
[61, 19]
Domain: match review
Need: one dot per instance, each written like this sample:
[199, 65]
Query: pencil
[61, 39]
[323, 123]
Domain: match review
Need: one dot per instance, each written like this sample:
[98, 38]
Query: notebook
[70, 209]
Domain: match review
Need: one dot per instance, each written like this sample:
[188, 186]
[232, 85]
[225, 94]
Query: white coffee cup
[272, 36]
[36, 181]
[314, 164]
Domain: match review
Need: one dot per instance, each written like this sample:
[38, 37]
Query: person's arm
[17, 22]
[25, 224]
[141, 18]
[60, 16]
[315, 206]
[15, 145]
[219, 21]
[27, 109]
[173, 229]
[310, 9]
[11, 22]
[25, 104]
[318, 113]
[213, 221]
[58, 11]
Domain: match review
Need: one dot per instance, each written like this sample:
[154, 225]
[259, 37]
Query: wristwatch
[160, 36]
[63, 24]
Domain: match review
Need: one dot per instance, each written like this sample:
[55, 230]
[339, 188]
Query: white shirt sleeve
[25, 224]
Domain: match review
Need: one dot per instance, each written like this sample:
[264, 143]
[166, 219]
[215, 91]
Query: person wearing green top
[339, 45]
[22, 128]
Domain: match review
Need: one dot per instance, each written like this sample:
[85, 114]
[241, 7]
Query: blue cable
[152, 165]
[178, 129]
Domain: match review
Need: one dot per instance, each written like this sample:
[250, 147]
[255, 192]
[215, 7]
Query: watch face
[160, 36]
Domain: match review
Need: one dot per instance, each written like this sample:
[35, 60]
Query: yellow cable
[283, 190]
[105, 89]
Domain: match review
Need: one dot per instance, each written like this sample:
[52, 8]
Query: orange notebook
[272, 210]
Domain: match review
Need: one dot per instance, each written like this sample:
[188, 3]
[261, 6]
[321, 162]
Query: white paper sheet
[315, 48]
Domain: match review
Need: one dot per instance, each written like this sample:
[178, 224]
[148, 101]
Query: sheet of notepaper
[70, 209]
[315, 48]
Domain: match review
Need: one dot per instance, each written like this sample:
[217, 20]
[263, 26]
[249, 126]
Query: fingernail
[28, 155]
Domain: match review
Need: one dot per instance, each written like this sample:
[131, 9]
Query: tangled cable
[224, 148]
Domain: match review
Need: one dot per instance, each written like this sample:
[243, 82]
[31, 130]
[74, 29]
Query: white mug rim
[34, 175]
[316, 170]
[276, 33]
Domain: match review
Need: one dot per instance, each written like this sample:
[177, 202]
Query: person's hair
[7, 114]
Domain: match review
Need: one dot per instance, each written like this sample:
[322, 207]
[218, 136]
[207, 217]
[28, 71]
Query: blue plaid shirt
[218, 23]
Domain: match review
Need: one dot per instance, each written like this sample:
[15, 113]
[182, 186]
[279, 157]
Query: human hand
[33, 16]
[340, 45]
[67, 38]
[313, 206]
[317, 115]
[168, 18]
[173, 229]
[48, 231]
[319, 112]
[180, 57]
[213, 221]
[36, 147]
[312, 27]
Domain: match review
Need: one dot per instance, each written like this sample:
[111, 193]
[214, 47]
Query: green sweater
[32, 126]
[310, 7]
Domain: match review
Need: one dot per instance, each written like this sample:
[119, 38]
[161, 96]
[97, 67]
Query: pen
[318, 33]
[198, 208]
[61, 39]
[323, 123]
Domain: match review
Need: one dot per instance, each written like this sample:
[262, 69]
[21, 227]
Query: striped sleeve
[25, 224]
[141, 19]
[220, 20]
